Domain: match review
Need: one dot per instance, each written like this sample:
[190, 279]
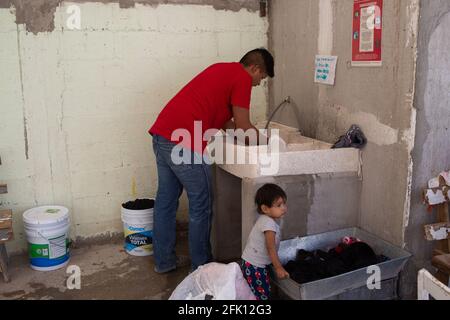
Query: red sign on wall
[367, 32]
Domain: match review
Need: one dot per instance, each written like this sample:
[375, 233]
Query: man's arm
[229, 125]
[241, 117]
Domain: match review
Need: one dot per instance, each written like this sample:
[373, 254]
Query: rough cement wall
[38, 15]
[316, 203]
[293, 32]
[319, 203]
[378, 99]
[431, 153]
[227, 216]
[77, 104]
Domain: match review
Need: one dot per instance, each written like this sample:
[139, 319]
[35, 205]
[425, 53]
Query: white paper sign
[325, 69]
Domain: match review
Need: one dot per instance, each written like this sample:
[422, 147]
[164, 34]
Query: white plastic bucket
[47, 231]
[138, 231]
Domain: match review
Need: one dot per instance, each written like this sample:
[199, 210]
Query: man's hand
[241, 117]
[229, 125]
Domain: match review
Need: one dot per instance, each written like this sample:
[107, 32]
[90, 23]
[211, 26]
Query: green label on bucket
[44, 251]
[38, 250]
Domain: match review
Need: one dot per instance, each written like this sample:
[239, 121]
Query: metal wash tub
[350, 285]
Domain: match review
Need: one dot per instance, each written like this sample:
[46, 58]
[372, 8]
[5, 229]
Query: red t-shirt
[208, 98]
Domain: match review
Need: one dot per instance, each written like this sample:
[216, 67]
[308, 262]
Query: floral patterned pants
[258, 280]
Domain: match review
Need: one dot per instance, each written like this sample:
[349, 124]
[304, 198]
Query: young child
[263, 242]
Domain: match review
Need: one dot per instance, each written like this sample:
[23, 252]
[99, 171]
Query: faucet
[287, 100]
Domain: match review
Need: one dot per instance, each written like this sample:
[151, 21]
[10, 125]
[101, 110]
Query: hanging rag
[353, 138]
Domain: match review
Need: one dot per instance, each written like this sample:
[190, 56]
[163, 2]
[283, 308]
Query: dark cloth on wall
[353, 138]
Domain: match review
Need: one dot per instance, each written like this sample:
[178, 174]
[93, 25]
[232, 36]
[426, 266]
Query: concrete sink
[295, 154]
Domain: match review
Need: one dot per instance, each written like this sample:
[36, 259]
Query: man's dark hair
[267, 195]
[260, 57]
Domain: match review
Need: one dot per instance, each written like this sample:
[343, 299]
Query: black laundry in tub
[334, 286]
[319, 264]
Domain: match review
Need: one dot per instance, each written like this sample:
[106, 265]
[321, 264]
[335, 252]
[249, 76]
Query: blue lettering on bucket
[131, 228]
[138, 240]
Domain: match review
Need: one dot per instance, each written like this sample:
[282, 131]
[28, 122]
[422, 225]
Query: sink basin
[293, 154]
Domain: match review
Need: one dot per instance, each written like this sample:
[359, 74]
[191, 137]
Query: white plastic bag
[216, 281]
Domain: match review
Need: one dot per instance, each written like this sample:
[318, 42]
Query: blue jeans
[172, 178]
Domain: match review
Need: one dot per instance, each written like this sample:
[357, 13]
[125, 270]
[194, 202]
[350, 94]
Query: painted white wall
[76, 104]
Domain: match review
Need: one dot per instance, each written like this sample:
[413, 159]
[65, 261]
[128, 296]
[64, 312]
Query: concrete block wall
[76, 104]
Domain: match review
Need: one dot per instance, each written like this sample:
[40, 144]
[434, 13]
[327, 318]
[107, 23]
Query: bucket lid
[45, 215]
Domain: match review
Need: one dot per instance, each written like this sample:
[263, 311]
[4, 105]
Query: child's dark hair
[267, 194]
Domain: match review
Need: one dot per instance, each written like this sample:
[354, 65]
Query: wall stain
[38, 15]
[25, 130]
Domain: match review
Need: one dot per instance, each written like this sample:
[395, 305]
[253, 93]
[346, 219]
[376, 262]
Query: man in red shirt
[217, 98]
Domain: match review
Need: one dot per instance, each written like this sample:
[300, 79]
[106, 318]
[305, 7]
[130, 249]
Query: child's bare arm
[273, 254]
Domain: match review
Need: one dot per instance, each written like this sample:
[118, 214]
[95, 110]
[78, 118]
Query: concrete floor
[107, 272]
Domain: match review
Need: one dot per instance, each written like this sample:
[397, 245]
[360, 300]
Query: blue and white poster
[325, 69]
